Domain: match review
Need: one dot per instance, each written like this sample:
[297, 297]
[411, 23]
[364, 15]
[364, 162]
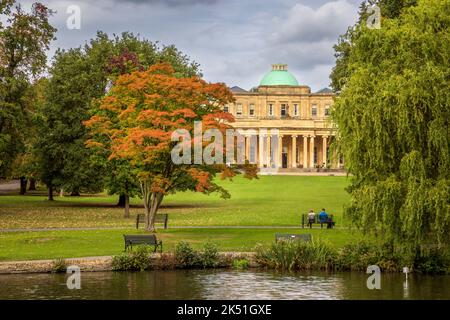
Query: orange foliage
[136, 119]
[202, 178]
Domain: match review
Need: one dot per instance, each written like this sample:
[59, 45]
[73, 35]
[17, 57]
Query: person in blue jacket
[323, 216]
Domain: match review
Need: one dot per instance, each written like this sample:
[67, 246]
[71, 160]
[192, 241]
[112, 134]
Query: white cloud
[234, 41]
[305, 24]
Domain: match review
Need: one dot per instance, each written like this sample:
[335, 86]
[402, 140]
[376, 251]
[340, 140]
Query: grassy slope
[71, 244]
[271, 200]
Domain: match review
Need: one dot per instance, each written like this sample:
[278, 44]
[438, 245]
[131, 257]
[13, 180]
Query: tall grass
[319, 255]
[297, 255]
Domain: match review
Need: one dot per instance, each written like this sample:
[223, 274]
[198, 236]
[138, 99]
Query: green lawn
[268, 201]
[71, 244]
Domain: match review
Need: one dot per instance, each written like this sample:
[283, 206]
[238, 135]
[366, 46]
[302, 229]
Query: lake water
[222, 284]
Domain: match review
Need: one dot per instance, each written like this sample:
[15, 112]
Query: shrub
[240, 264]
[186, 256]
[358, 256]
[433, 261]
[59, 266]
[138, 260]
[210, 255]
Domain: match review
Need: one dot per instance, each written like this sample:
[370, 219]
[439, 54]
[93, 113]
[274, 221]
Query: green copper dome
[279, 76]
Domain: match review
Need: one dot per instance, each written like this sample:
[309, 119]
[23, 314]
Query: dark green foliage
[433, 262]
[210, 255]
[137, 260]
[187, 257]
[25, 37]
[393, 117]
[358, 256]
[63, 157]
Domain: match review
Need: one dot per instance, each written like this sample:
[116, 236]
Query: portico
[289, 150]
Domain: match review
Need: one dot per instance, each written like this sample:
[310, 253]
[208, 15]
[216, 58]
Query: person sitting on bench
[323, 217]
[311, 218]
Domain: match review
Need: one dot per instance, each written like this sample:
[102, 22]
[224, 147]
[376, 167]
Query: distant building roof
[237, 89]
[325, 90]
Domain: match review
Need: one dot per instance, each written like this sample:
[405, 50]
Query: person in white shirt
[311, 217]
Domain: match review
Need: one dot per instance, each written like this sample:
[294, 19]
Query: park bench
[292, 237]
[147, 239]
[160, 218]
[305, 221]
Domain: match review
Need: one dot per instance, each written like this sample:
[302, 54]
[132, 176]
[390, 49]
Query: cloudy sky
[235, 41]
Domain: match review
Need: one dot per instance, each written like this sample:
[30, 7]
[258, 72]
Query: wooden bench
[147, 239]
[305, 221]
[293, 237]
[160, 218]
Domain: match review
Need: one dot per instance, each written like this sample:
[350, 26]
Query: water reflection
[222, 284]
[260, 286]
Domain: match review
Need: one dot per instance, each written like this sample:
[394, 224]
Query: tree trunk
[127, 207]
[121, 202]
[50, 192]
[32, 186]
[151, 210]
[23, 185]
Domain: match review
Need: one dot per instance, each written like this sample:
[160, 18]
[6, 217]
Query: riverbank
[104, 263]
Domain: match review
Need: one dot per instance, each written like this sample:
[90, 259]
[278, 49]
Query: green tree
[388, 8]
[65, 162]
[393, 118]
[78, 78]
[24, 39]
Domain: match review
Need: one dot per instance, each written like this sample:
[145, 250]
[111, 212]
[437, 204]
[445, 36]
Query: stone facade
[299, 117]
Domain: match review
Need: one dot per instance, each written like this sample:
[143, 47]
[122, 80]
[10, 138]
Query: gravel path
[173, 227]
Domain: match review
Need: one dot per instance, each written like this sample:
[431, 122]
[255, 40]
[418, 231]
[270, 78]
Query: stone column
[305, 152]
[247, 148]
[280, 151]
[311, 152]
[261, 151]
[324, 150]
[268, 158]
[294, 151]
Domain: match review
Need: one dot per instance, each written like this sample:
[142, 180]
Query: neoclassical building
[283, 112]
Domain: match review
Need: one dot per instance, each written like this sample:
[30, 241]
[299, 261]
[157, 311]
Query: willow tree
[393, 121]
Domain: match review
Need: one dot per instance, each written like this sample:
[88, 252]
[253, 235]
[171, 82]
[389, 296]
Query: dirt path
[9, 186]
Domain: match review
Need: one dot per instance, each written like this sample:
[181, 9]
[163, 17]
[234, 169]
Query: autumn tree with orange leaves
[136, 120]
